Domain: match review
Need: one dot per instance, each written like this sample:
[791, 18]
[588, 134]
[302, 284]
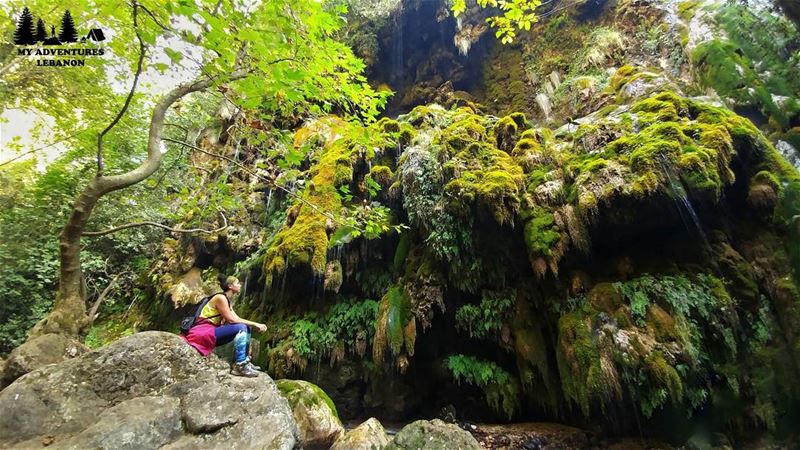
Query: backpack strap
[203, 304]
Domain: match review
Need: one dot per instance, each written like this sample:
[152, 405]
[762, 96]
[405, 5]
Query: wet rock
[148, 390]
[370, 435]
[314, 412]
[38, 352]
[344, 383]
[531, 436]
[433, 435]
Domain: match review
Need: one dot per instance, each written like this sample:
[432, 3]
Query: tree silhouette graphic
[23, 35]
[68, 32]
[41, 32]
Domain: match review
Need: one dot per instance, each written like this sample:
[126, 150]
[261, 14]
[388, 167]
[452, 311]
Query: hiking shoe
[252, 366]
[244, 369]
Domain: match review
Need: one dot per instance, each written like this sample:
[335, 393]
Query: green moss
[504, 78]
[540, 233]
[388, 125]
[579, 360]
[406, 134]
[486, 177]
[665, 376]
[605, 297]
[382, 175]
[505, 131]
[531, 134]
[305, 393]
[687, 9]
[625, 75]
[768, 178]
[401, 253]
[526, 146]
[333, 276]
[662, 324]
[394, 314]
[304, 240]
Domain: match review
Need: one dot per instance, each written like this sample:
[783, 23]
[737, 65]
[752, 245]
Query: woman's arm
[221, 305]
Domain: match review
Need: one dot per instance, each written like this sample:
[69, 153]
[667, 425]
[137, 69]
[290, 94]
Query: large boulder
[433, 435]
[370, 435]
[314, 412]
[38, 352]
[149, 390]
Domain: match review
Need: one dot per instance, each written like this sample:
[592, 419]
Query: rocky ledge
[149, 390]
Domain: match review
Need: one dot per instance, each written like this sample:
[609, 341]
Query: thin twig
[152, 16]
[22, 155]
[156, 224]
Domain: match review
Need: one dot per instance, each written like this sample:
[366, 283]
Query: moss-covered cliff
[605, 231]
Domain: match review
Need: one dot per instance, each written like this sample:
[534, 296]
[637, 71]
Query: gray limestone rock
[149, 390]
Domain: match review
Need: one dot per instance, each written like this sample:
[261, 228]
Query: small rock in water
[535, 443]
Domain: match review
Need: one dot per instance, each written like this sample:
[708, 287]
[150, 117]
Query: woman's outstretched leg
[240, 335]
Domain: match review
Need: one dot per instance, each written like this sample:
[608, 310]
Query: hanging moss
[401, 252]
[540, 234]
[579, 360]
[604, 297]
[304, 240]
[392, 325]
[665, 376]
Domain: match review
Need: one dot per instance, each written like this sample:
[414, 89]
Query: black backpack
[188, 322]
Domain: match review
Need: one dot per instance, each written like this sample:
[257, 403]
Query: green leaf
[343, 235]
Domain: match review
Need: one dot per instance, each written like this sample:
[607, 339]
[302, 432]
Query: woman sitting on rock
[218, 324]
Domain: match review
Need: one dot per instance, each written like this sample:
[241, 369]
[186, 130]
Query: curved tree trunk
[68, 315]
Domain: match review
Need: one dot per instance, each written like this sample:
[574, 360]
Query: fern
[500, 388]
[480, 321]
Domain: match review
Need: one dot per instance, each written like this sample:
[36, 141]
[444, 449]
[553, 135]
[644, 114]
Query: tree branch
[9, 65]
[158, 225]
[152, 16]
[93, 310]
[270, 181]
[142, 50]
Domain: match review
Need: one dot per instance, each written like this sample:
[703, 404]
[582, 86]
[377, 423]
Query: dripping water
[544, 104]
[244, 286]
[264, 298]
[397, 50]
[399, 154]
[682, 201]
[283, 283]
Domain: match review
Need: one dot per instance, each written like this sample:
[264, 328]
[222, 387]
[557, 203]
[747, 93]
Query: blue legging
[239, 333]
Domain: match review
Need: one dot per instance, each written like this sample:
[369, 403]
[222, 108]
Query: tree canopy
[267, 60]
[515, 15]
